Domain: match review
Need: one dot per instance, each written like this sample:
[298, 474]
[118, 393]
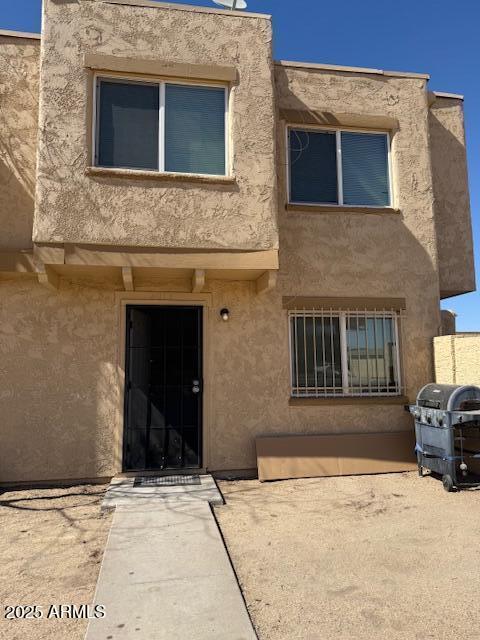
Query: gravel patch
[51, 548]
[367, 557]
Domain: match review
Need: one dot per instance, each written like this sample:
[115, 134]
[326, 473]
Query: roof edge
[333, 67]
[20, 34]
[186, 7]
[442, 94]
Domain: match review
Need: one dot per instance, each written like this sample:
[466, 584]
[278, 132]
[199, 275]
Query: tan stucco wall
[452, 200]
[360, 254]
[61, 377]
[19, 72]
[457, 359]
[58, 384]
[61, 351]
[74, 207]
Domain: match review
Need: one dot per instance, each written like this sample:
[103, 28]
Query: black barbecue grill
[447, 429]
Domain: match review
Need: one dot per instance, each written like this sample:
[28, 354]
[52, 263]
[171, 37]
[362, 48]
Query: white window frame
[338, 137]
[346, 391]
[161, 83]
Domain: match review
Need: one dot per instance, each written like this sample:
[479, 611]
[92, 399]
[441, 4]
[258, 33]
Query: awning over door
[130, 267]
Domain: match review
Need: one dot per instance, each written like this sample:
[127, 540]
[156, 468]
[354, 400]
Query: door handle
[196, 386]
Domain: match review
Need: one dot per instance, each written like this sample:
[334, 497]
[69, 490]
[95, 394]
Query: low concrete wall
[457, 358]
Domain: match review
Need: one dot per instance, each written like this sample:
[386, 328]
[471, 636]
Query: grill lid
[448, 397]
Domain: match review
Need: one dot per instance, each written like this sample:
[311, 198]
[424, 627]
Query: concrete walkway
[165, 573]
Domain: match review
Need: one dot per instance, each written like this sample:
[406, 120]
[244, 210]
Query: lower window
[344, 353]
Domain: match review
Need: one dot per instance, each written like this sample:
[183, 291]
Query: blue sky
[439, 37]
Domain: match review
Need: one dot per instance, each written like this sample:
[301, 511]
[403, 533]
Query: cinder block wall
[457, 359]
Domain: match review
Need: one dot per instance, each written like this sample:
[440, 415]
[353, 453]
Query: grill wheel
[447, 483]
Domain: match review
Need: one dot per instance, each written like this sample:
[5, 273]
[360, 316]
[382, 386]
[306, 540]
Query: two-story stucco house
[201, 245]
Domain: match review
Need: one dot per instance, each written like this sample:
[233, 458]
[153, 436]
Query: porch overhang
[128, 267]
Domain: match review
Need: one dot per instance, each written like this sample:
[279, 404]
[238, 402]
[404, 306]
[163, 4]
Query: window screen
[365, 169]
[313, 167]
[127, 124]
[194, 129]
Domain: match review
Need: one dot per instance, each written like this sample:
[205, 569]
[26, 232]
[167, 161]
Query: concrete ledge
[160, 68]
[20, 34]
[163, 176]
[344, 303]
[365, 70]
[187, 7]
[453, 96]
[336, 208]
[315, 117]
[284, 457]
[352, 400]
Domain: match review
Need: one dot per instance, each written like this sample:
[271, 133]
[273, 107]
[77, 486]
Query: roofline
[20, 34]
[187, 7]
[333, 67]
[442, 94]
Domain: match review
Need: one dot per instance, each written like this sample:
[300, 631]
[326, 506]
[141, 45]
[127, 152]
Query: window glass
[194, 129]
[343, 354]
[128, 125]
[313, 167]
[316, 349]
[371, 354]
[365, 169]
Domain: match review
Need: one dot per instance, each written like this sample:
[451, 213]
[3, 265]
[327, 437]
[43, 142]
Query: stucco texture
[61, 386]
[393, 254]
[457, 359]
[74, 207]
[19, 74]
[251, 383]
[452, 201]
[58, 382]
[61, 379]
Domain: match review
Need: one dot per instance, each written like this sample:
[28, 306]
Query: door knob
[196, 386]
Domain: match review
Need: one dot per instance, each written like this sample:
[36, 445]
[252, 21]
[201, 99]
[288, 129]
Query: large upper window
[344, 353]
[338, 167]
[160, 126]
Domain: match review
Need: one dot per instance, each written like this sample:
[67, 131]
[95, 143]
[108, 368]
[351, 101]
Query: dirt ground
[356, 558]
[52, 543]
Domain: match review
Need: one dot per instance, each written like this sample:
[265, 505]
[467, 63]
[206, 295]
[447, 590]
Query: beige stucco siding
[452, 201]
[360, 254]
[74, 207]
[58, 384]
[457, 359]
[62, 351]
[62, 379]
[19, 73]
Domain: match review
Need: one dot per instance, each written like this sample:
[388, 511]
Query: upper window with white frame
[344, 353]
[339, 167]
[161, 126]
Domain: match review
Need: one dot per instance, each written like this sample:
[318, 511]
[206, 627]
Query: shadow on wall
[452, 213]
[18, 125]
[108, 438]
[16, 208]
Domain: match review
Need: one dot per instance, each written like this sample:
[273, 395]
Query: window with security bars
[161, 126]
[344, 353]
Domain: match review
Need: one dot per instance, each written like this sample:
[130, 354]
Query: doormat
[165, 481]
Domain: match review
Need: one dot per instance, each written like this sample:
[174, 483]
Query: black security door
[163, 388]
